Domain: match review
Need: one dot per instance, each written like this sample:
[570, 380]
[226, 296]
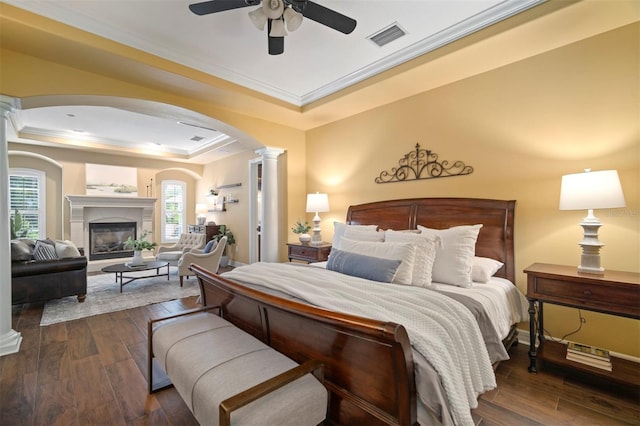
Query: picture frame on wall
[114, 181]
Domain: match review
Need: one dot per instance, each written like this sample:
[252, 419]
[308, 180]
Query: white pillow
[65, 248]
[454, 259]
[394, 251]
[426, 247]
[484, 268]
[339, 229]
[359, 234]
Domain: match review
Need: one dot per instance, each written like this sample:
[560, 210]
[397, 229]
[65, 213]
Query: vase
[137, 258]
[304, 238]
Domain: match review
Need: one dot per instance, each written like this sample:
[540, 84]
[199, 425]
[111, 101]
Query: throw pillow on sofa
[65, 248]
[44, 251]
[21, 251]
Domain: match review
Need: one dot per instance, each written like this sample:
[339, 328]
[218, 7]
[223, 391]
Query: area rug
[103, 295]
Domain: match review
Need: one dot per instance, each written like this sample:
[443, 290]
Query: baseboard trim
[523, 338]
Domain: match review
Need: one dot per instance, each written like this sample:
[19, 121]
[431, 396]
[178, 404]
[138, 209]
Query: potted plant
[18, 225]
[231, 240]
[138, 245]
[302, 229]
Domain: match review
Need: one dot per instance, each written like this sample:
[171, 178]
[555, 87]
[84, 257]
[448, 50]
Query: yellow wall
[521, 127]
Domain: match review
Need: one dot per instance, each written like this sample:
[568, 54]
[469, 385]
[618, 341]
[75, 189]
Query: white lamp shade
[591, 190]
[201, 209]
[259, 18]
[277, 28]
[273, 8]
[317, 202]
[292, 18]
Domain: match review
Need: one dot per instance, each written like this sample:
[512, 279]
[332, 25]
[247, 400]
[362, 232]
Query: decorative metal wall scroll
[422, 164]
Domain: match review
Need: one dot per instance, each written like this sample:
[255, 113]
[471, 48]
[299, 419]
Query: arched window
[174, 201]
[27, 205]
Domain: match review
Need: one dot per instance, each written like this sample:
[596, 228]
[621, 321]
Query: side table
[614, 293]
[308, 252]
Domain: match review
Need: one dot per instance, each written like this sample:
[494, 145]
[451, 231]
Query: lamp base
[590, 259]
[316, 239]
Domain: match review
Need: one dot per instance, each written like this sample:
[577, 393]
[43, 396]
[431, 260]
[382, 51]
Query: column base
[10, 343]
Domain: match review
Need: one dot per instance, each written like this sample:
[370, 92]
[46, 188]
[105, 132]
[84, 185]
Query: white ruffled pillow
[484, 268]
[394, 251]
[340, 228]
[454, 260]
[426, 249]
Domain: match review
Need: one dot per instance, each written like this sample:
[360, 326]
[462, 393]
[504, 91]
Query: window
[27, 203]
[174, 193]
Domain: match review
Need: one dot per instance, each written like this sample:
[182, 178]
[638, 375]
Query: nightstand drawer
[309, 253]
[598, 294]
[302, 251]
[615, 292]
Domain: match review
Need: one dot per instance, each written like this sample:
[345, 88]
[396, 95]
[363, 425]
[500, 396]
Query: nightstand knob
[587, 292]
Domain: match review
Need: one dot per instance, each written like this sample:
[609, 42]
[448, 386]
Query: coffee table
[122, 268]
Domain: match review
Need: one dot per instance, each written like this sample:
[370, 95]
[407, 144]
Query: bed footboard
[368, 363]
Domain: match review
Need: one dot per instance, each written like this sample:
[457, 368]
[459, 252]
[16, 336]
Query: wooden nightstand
[309, 253]
[615, 293]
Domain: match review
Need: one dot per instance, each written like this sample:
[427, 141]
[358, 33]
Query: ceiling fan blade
[328, 17]
[213, 6]
[276, 44]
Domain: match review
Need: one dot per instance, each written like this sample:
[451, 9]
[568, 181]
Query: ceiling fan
[277, 14]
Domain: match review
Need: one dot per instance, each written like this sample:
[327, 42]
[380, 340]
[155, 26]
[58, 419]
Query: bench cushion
[209, 360]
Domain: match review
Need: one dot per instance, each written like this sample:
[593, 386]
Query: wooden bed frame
[368, 364]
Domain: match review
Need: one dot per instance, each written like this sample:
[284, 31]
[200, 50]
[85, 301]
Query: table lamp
[591, 190]
[317, 203]
[201, 213]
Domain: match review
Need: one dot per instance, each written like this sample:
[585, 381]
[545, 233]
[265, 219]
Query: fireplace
[107, 240]
[94, 209]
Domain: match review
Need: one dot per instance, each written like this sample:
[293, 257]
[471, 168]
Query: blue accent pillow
[359, 265]
[210, 246]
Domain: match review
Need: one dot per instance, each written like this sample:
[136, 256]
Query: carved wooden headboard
[496, 235]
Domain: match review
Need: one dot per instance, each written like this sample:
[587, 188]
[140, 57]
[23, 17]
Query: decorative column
[270, 224]
[9, 339]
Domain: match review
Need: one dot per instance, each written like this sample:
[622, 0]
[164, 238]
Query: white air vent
[196, 138]
[387, 35]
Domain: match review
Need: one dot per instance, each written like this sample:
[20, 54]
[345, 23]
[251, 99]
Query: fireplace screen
[106, 240]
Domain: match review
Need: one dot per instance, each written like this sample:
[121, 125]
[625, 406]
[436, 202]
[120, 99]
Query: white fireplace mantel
[106, 208]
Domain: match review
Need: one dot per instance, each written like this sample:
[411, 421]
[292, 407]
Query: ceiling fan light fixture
[273, 8]
[277, 28]
[292, 18]
[259, 18]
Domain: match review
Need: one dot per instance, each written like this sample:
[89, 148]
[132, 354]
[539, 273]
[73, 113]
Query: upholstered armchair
[210, 261]
[186, 243]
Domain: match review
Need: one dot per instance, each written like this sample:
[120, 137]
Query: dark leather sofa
[42, 280]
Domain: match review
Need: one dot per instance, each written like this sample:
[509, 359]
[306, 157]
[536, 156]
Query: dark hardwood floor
[92, 371]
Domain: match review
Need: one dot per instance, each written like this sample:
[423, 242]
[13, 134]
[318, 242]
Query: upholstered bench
[219, 369]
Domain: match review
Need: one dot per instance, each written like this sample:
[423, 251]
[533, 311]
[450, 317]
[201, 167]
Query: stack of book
[589, 355]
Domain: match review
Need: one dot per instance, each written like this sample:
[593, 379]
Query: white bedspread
[440, 328]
